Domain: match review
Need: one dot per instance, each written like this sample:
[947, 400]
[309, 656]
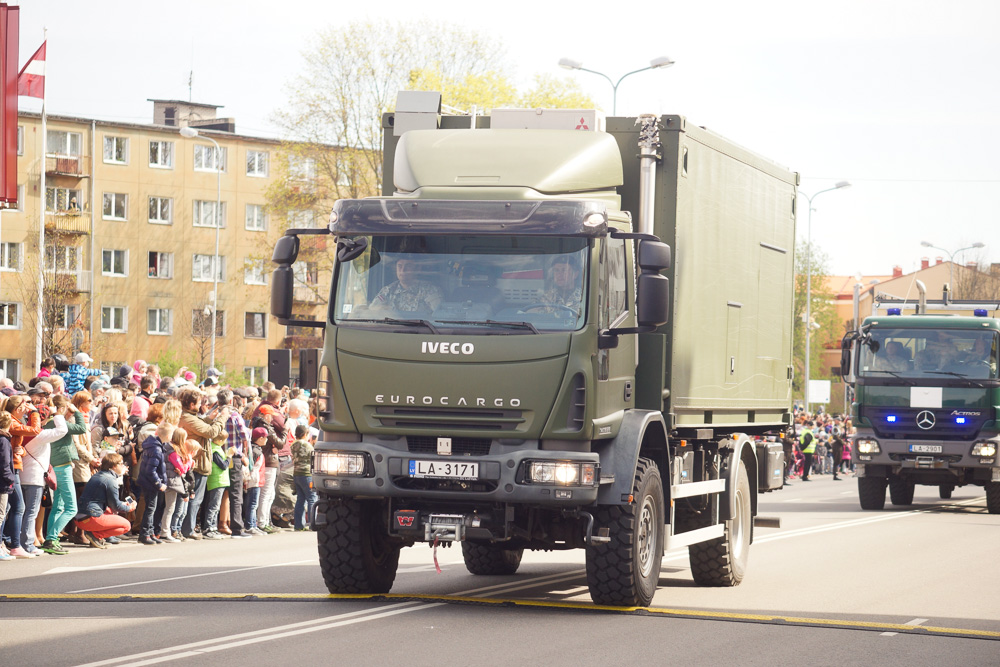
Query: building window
[61, 200]
[201, 268]
[255, 373]
[115, 150]
[10, 256]
[256, 218]
[9, 369]
[115, 206]
[110, 368]
[205, 158]
[204, 214]
[114, 263]
[62, 259]
[254, 272]
[159, 322]
[253, 326]
[301, 219]
[201, 323]
[66, 144]
[161, 265]
[161, 154]
[65, 317]
[113, 319]
[161, 210]
[257, 163]
[306, 273]
[301, 168]
[20, 140]
[10, 316]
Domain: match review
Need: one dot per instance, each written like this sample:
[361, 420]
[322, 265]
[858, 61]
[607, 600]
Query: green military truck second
[502, 367]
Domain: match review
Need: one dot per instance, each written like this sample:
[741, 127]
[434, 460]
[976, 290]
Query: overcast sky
[898, 97]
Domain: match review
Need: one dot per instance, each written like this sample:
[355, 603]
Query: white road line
[916, 621]
[190, 576]
[107, 566]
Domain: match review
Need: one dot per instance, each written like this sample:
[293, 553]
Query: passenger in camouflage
[410, 293]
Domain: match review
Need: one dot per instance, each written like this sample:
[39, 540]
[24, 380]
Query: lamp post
[951, 259]
[837, 186]
[656, 63]
[191, 133]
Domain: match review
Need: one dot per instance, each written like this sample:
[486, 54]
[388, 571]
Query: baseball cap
[35, 391]
[189, 376]
[209, 381]
[112, 431]
[213, 372]
[99, 384]
[258, 432]
[82, 358]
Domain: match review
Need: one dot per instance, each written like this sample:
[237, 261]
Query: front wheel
[490, 558]
[901, 491]
[944, 490]
[993, 497]
[871, 492]
[723, 561]
[355, 553]
[626, 571]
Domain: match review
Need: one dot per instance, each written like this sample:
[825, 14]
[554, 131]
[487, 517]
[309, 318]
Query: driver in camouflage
[565, 290]
[410, 293]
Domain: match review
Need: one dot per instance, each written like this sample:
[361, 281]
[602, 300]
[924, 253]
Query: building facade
[128, 267]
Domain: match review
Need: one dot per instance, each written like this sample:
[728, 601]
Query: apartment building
[128, 266]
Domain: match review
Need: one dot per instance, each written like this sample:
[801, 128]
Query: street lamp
[656, 63]
[191, 133]
[837, 186]
[951, 259]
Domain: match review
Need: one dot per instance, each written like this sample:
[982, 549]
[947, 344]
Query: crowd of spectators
[818, 444]
[91, 460]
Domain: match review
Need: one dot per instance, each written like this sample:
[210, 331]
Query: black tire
[626, 571]
[490, 558]
[901, 491]
[945, 490]
[723, 561]
[355, 554]
[993, 497]
[871, 492]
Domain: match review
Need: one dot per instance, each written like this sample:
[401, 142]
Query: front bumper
[501, 477]
[933, 457]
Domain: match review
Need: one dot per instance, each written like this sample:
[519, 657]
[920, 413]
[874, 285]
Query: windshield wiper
[487, 323]
[958, 375]
[893, 374]
[409, 323]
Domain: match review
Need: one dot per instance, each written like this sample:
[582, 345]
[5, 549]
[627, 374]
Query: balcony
[78, 281]
[305, 295]
[67, 223]
[301, 342]
[62, 165]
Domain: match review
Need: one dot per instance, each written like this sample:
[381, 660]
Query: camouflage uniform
[557, 297]
[408, 300]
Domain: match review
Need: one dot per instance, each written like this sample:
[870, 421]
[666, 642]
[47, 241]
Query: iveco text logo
[925, 420]
[428, 347]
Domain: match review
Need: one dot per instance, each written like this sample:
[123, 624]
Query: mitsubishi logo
[925, 420]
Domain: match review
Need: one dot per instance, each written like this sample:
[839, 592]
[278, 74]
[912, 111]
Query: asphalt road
[832, 586]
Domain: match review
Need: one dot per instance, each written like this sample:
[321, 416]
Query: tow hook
[589, 538]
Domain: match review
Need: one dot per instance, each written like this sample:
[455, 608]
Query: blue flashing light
[979, 312]
[891, 419]
[959, 420]
[895, 311]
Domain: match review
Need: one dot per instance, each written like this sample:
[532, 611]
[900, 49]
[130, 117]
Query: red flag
[31, 80]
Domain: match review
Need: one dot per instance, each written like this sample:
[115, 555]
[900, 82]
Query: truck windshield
[476, 284]
[929, 353]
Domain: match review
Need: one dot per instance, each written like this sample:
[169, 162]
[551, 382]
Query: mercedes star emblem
[925, 420]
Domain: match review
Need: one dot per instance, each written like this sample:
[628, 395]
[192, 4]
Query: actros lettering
[429, 347]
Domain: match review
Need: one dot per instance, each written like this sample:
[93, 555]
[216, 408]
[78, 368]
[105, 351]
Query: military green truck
[926, 396]
[498, 367]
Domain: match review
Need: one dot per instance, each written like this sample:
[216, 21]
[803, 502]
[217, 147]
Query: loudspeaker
[279, 367]
[309, 368]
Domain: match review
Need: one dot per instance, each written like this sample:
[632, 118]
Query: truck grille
[427, 444]
[439, 419]
[421, 484]
[945, 424]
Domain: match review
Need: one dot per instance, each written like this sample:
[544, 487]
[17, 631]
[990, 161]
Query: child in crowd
[252, 480]
[180, 461]
[218, 482]
[305, 497]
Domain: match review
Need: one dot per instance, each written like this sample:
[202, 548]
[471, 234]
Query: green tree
[825, 327]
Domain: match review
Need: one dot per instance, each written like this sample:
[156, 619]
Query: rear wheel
[490, 558]
[945, 491]
[993, 497]
[626, 571]
[871, 492]
[723, 561]
[355, 553]
[901, 491]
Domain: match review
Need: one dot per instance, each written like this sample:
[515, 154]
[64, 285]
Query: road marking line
[108, 566]
[916, 621]
[190, 576]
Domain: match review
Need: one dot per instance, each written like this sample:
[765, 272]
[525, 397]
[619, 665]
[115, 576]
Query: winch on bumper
[532, 476]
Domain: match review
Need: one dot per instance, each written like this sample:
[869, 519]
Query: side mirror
[654, 256]
[652, 303]
[286, 250]
[847, 356]
[282, 282]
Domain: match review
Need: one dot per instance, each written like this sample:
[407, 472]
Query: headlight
[868, 447]
[561, 472]
[339, 463]
[986, 449]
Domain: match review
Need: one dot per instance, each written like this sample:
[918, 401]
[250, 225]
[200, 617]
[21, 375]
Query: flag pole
[39, 312]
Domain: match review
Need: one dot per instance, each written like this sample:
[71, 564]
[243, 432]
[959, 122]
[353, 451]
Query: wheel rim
[646, 536]
[739, 524]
